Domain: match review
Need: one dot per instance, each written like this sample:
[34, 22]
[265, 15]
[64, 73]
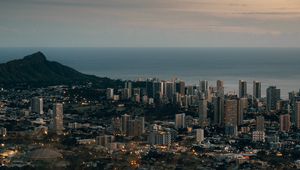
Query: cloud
[145, 20]
[248, 30]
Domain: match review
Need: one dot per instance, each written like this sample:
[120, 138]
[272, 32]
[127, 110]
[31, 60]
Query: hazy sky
[153, 23]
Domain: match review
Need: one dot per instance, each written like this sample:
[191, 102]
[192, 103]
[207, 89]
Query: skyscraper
[136, 92]
[199, 135]
[169, 89]
[190, 90]
[257, 89]
[159, 138]
[158, 90]
[180, 121]
[220, 88]
[203, 87]
[124, 123]
[293, 101]
[109, 93]
[149, 87]
[202, 109]
[37, 105]
[242, 108]
[285, 123]
[231, 112]
[128, 85]
[273, 95]
[218, 103]
[260, 123]
[58, 118]
[136, 126]
[297, 114]
[242, 88]
[180, 87]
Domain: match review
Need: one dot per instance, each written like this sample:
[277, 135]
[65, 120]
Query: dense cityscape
[149, 124]
[149, 84]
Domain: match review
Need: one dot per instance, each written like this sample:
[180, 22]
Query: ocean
[271, 66]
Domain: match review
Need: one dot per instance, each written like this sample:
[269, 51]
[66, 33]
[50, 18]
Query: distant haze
[271, 66]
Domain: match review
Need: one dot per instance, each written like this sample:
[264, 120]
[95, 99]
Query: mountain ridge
[36, 70]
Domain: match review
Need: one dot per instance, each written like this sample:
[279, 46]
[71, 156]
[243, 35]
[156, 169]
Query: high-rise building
[293, 104]
[160, 138]
[124, 123]
[190, 90]
[58, 118]
[202, 109]
[199, 135]
[218, 103]
[242, 108]
[37, 105]
[128, 85]
[297, 114]
[258, 136]
[220, 88]
[203, 87]
[292, 96]
[158, 90]
[105, 140]
[260, 123]
[109, 93]
[273, 96]
[283, 105]
[180, 87]
[149, 87]
[285, 123]
[169, 90]
[136, 127]
[257, 89]
[137, 94]
[180, 121]
[242, 88]
[126, 93]
[231, 112]
[116, 124]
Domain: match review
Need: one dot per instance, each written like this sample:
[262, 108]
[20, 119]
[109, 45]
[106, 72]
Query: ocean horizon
[271, 66]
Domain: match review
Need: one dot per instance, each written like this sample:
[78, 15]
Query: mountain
[35, 70]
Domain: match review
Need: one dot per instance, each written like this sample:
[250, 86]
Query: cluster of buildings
[56, 122]
[208, 124]
[214, 107]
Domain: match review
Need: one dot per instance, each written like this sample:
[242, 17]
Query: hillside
[36, 70]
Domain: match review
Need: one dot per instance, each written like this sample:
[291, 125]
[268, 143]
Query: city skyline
[54, 116]
[149, 84]
[132, 23]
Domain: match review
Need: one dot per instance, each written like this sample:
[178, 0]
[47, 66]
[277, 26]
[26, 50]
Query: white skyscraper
[58, 117]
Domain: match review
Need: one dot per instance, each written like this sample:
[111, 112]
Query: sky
[149, 23]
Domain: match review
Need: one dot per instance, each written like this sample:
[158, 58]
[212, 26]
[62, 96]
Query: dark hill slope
[36, 70]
